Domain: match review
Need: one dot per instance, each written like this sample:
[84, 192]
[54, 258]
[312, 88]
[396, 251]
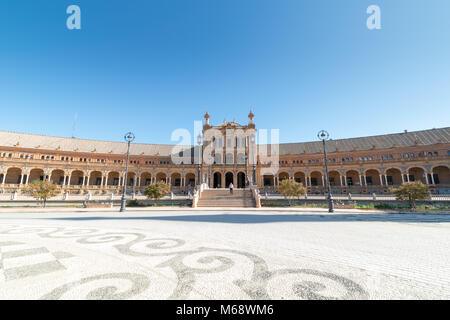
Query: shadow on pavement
[269, 218]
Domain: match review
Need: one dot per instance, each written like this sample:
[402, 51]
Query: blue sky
[154, 66]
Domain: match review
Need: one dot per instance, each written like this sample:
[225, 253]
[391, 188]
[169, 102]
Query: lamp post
[323, 135]
[129, 137]
[199, 142]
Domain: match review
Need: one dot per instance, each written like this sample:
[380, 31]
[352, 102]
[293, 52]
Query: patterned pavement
[186, 254]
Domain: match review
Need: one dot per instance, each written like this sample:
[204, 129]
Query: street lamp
[129, 137]
[199, 142]
[323, 135]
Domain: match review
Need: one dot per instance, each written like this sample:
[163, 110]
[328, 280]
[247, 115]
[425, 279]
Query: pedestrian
[231, 187]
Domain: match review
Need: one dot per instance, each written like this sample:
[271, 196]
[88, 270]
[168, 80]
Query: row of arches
[95, 178]
[389, 177]
[221, 180]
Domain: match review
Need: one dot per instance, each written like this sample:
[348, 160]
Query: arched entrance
[36, 174]
[217, 180]
[241, 180]
[228, 179]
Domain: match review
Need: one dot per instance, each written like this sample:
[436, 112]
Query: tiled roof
[387, 141]
[407, 139]
[35, 141]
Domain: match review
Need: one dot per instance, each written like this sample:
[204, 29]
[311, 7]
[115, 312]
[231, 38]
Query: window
[369, 181]
[314, 181]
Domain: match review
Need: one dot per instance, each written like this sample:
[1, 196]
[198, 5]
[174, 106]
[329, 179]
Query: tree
[411, 192]
[290, 189]
[42, 190]
[157, 190]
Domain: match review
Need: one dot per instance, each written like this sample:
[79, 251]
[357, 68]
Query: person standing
[231, 187]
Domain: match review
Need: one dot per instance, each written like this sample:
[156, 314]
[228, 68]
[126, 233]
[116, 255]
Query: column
[432, 178]
[274, 183]
[360, 181]
[345, 180]
[381, 180]
[101, 183]
[340, 180]
[365, 180]
[28, 178]
[4, 178]
[385, 179]
[403, 177]
[50, 177]
[84, 180]
[21, 178]
[426, 177]
[323, 181]
[407, 176]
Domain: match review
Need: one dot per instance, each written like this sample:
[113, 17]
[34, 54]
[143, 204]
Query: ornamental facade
[226, 153]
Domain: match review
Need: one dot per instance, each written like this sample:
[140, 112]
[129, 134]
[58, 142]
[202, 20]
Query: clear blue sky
[156, 65]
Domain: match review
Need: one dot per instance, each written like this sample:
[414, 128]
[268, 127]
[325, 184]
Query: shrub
[411, 192]
[290, 189]
[157, 190]
[42, 190]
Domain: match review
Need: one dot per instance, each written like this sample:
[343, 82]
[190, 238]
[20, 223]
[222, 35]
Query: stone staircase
[221, 198]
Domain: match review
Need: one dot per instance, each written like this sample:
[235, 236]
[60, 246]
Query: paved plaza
[223, 254]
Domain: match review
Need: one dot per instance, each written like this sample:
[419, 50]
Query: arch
[76, 178]
[113, 178]
[352, 177]
[228, 178]
[283, 176]
[13, 176]
[268, 180]
[373, 177]
[161, 176]
[176, 179]
[190, 179]
[393, 176]
[131, 177]
[316, 178]
[217, 183]
[441, 175]
[300, 177]
[334, 177]
[36, 174]
[95, 178]
[241, 180]
[57, 176]
[146, 179]
[416, 174]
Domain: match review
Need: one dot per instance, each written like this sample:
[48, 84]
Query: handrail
[198, 193]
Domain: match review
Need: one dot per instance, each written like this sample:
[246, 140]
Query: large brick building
[356, 165]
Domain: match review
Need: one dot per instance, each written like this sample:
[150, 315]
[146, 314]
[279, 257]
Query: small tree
[157, 190]
[290, 189]
[411, 192]
[42, 190]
